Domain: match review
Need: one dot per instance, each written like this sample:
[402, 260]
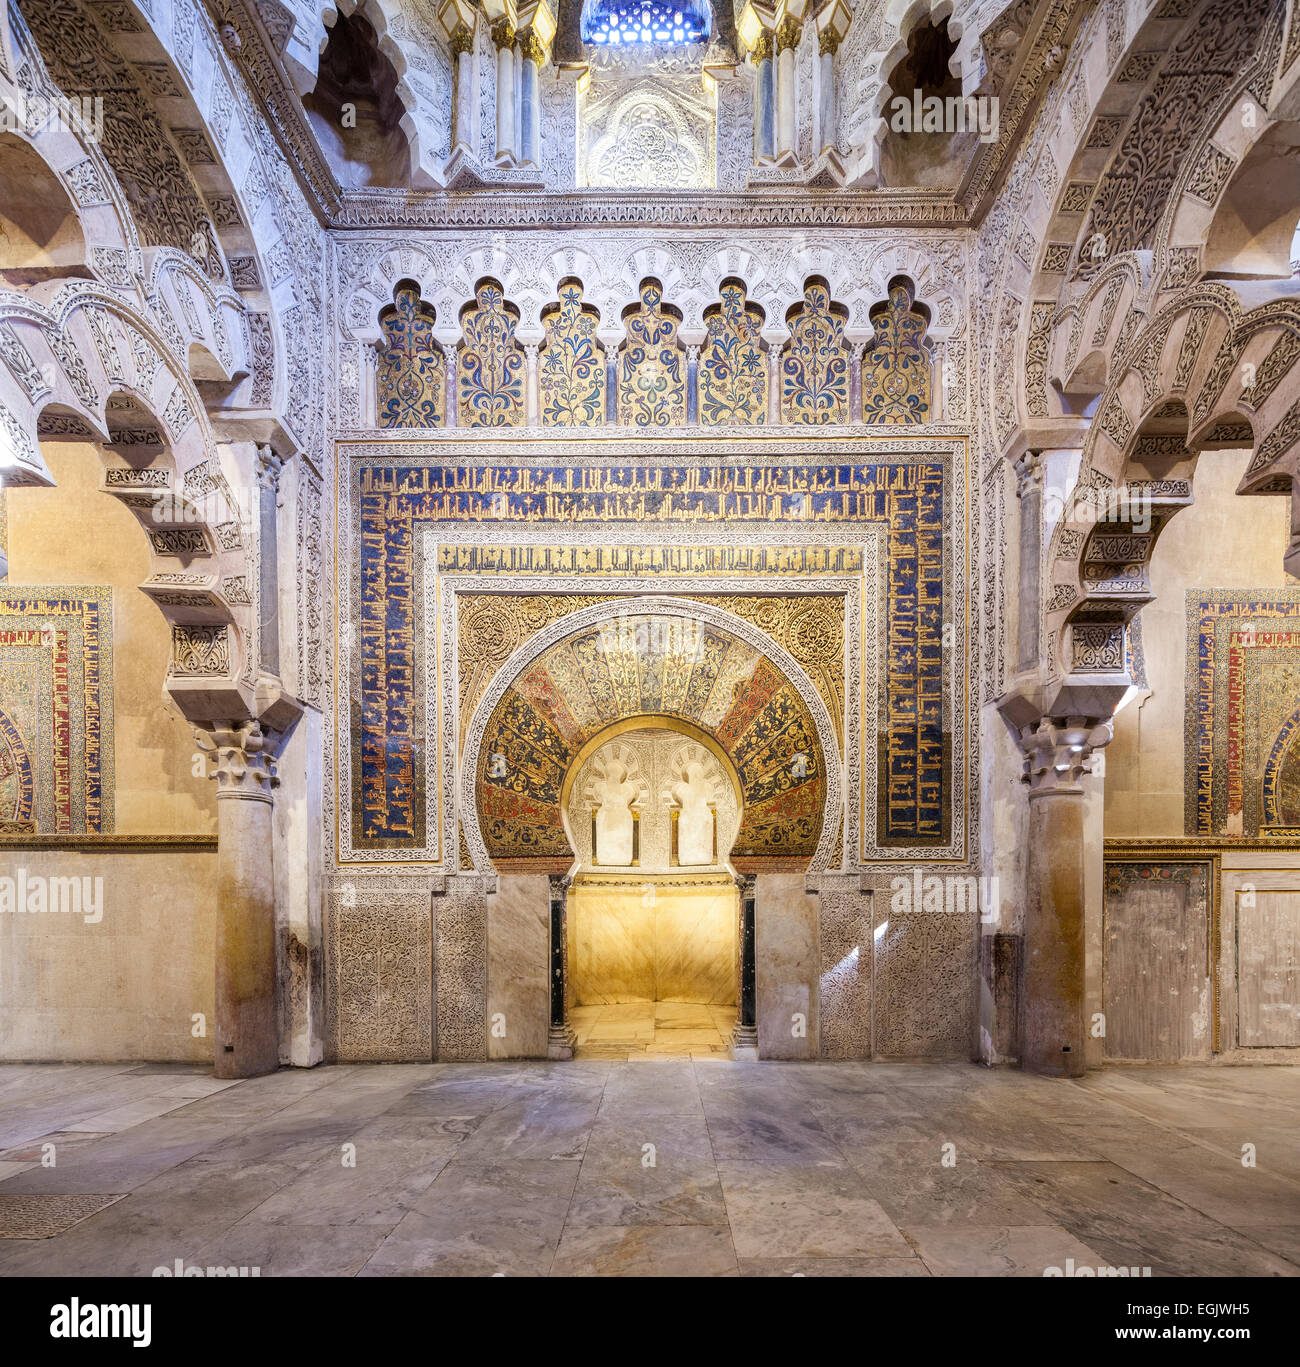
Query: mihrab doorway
[653, 911]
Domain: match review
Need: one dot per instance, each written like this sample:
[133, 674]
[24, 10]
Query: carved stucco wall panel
[846, 953]
[379, 973]
[924, 984]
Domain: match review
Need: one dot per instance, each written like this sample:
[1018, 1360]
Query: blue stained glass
[621, 22]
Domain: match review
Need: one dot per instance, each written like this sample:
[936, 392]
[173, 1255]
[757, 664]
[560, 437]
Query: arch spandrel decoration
[896, 374]
[17, 784]
[652, 657]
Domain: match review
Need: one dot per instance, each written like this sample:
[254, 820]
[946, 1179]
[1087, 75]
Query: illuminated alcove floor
[667, 1029]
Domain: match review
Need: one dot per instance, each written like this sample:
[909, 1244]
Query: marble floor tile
[833, 1267]
[1214, 1183]
[1004, 1251]
[378, 1187]
[284, 1250]
[645, 1251]
[918, 1184]
[681, 1188]
[481, 1219]
[786, 1211]
[1131, 1222]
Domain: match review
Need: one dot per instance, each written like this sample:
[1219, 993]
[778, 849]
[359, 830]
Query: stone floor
[622, 1030]
[650, 1166]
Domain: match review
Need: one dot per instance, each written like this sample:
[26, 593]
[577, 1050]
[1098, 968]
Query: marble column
[368, 373]
[1029, 490]
[269, 466]
[692, 386]
[561, 1038]
[826, 133]
[774, 384]
[246, 1039]
[859, 350]
[787, 40]
[503, 36]
[532, 54]
[1052, 1018]
[744, 1039]
[531, 398]
[765, 100]
[462, 50]
[453, 372]
[611, 385]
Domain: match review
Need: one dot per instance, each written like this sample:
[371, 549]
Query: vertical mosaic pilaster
[56, 710]
[1242, 773]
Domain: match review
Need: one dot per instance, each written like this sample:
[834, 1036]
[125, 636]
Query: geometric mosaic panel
[412, 372]
[1243, 686]
[815, 362]
[652, 364]
[56, 710]
[571, 367]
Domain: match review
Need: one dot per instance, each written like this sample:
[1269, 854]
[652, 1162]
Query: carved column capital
[828, 42]
[1058, 751]
[239, 758]
[461, 40]
[532, 47]
[269, 466]
[503, 33]
[1029, 473]
[788, 33]
[763, 45]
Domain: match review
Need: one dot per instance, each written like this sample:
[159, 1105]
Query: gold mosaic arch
[654, 668]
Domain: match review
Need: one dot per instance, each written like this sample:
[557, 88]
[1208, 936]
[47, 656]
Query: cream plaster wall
[125, 987]
[76, 534]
